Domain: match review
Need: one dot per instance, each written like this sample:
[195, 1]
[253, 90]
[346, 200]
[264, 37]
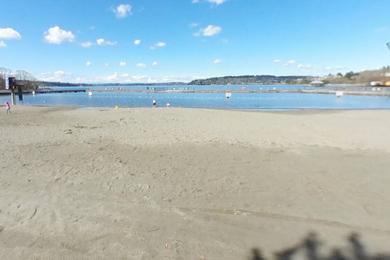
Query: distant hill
[66, 84]
[59, 84]
[363, 77]
[253, 79]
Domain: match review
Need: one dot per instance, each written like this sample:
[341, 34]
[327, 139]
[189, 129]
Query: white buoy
[339, 93]
[228, 95]
[89, 93]
[168, 104]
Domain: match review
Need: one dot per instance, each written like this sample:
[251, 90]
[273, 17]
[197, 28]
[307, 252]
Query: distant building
[317, 83]
[2, 83]
[376, 83]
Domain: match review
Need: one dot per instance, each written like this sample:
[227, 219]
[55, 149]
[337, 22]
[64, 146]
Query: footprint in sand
[68, 131]
[34, 213]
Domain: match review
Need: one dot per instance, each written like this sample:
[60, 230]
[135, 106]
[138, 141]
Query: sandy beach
[171, 183]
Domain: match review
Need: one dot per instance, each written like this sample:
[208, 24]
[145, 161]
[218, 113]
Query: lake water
[207, 100]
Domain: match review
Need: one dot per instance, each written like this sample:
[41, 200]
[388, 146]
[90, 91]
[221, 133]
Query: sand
[171, 183]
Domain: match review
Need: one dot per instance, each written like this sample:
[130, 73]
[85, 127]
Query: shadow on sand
[310, 247]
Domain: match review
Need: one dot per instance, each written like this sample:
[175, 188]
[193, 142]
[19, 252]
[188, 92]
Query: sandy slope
[186, 183]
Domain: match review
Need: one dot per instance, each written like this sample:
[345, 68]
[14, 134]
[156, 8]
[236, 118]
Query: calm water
[200, 100]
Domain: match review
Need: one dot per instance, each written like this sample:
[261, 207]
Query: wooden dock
[6, 92]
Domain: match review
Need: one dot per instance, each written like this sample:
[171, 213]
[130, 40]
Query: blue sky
[168, 40]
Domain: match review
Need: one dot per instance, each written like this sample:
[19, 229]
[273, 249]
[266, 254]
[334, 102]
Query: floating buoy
[339, 93]
[228, 95]
[168, 104]
[89, 93]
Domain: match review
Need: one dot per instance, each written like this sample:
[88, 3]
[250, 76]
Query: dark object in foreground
[310, 247]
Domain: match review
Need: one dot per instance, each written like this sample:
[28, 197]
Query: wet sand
[189, 183]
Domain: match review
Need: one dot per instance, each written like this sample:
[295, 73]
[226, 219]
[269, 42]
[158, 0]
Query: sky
[181, 40]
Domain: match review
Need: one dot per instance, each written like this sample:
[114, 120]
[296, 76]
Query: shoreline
[265, 110]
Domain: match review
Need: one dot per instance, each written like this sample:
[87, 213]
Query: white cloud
[123, 63]
[137, 42]
[86, 44]
[103, 42]
[56, 35]
[158, 45]
[154, 63]
[335, 68]
[210, 30]
[217, 61]
[9, 34]
[161, 44]
[88, 63]
[193, 25]
[62, 76]
[113, 77]
[293, 64]
[304, 67]
[3, 44]
[100, 41]
[126, 78]
[57, 76]
[217, 2]
[290, 62]
[141, 65]
[60, 73]
[122, 10]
